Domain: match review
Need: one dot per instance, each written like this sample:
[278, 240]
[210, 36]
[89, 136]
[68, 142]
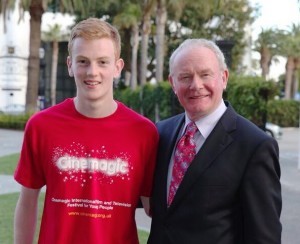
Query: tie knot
[191, 129]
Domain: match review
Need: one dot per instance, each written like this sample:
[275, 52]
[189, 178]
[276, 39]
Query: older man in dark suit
[220, 183]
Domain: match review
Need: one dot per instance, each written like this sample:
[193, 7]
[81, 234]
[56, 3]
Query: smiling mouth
[92, 83]
[199, 96]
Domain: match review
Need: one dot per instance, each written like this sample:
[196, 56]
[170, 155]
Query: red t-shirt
[95, 171]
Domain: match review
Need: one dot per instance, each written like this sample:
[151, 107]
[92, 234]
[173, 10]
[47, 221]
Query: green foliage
[129, 16]
[168, 103]
[268, 39]
[149, 99]
[143, 236]
[13, 121]
[8, 164]
[156, 102]
[284, 112]
[131, 98]
[229, 18]
[250, 95]
[8, 205]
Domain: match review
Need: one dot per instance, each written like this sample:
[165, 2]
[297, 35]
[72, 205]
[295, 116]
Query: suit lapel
[171, 134]
[218, 140]
[168, 137]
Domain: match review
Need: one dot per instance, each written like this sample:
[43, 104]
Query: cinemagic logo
[106, 166]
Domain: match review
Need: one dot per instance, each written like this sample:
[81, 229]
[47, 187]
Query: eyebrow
[208, 70]
[101, 57]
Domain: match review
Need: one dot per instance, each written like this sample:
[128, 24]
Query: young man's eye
[103, 62]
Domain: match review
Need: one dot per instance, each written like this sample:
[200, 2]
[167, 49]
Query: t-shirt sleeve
[29, 171]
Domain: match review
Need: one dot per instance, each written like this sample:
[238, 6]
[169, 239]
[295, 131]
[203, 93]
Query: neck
[95, 109]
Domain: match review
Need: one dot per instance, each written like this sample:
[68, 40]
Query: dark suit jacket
[230, 194]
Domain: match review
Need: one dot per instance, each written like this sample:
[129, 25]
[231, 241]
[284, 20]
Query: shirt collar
[206, 124]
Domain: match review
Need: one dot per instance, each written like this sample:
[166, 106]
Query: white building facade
[14, 53]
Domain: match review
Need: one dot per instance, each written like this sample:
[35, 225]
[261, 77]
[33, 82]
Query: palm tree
[162, 9]
[289, 48]
[54, 35]
[295, 82]
[36, 10]
[267, 46]
[160, 20]
[175, 8]
[147, 9]
[129, 19]
[295, 87]
[5, 6]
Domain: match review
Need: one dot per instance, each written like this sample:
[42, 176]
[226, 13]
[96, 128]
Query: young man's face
[94, 66]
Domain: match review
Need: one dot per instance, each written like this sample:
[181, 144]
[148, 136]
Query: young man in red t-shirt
[94, 155]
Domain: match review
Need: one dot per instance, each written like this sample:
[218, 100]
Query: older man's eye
[81, 61]
[184, 78]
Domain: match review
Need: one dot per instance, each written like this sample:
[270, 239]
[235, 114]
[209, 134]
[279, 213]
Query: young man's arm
[146, 204]
[26, 216]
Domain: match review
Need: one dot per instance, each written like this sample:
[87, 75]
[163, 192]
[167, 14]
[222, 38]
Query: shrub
[250, 96]
[13, 121]
[284, 112]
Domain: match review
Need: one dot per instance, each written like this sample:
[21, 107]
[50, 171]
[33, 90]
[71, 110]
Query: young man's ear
[69, 65]
[119, 67]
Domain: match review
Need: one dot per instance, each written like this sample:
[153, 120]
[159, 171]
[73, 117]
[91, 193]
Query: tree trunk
[294, 85]
[135, 45]
[36, 11]
[54, 72]
[295, 82]
[146, 28]
[288, 77]
[265, 62]
[161, 19]
[127, 78]
[126, 47]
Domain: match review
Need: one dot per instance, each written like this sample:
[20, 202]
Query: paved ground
[290, 179]
[10, 141]
[289, 145]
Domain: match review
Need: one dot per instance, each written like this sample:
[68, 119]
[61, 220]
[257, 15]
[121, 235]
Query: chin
[93, 98]
[197, 112]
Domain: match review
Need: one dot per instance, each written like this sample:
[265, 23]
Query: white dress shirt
[205, 125]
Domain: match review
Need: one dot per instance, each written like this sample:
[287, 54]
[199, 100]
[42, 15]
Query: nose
[196, 82]
[91, 70]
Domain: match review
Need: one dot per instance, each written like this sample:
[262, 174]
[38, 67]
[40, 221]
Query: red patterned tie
[184, 154]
